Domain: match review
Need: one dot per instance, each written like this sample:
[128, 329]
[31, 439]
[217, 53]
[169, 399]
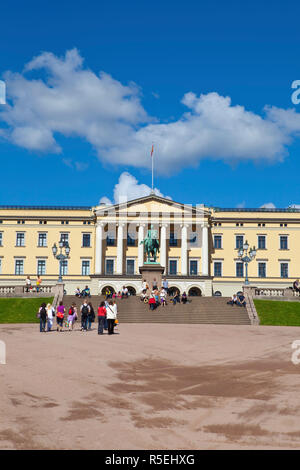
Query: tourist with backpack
[60, 313]
[91, 317]
[84, 310]
[72, 314]
[42, 315]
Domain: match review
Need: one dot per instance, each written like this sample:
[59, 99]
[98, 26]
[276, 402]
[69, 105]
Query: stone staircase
[211, 310]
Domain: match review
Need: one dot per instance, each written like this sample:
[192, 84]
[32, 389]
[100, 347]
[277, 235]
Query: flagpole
[152, 172]
[152, 158]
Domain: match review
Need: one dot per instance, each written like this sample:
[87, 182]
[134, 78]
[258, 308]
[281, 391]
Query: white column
[140, 246]
[120, 238]
[98, 251]
[205, 250]
[163, 246]
[184, 260]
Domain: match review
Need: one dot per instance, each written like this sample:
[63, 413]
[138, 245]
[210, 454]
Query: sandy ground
[150, 387]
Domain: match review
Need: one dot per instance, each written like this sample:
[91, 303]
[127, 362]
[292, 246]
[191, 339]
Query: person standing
[90, 317]
[101, 317]
[84, 310]
[38, 283]
[50, 316]
[43, 317]
[72, 316]
[60, 313]
[111, 316]
[166, 285]
[28, 284]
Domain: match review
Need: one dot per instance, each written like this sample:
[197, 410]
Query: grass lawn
[274, 312]
[17, 310]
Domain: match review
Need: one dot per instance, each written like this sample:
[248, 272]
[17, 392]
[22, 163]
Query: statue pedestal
[151, 272]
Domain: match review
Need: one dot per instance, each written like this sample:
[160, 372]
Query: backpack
[85, 310]
[71, 311]
[43, 312]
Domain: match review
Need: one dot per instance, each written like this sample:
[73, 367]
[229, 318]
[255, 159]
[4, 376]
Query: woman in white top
[50, 315]
[111, 316]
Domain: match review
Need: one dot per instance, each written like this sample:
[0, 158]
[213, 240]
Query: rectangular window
[217, 269]
[64, 267]
[110, 240]
[130, 266]
[217, 241]
[41, 267]
[1, 238]
[0, 266]
[19, 266]
[173, 267]
[239, 241]
[261, 269]
[85, 267]
[86, 239]
[283, 242]
[284, 270]
[193, 267]
[130, 240]
[173, 239]
[109, 266]
[261, 242]
[42, 241]
[20, 239]
[64, 237]
[239, 269]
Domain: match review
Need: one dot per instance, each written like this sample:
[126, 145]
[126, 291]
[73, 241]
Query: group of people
[29, 287]
[238, 299]
[121, 294]
[86, 292]
[156, 297]
[106, 313]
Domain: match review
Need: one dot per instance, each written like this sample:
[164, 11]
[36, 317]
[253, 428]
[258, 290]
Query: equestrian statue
[151, 245]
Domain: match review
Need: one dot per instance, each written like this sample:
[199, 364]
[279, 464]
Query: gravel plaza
[150, 387]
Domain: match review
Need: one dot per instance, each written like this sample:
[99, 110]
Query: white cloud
[72, 100]
[268, 205]
[129, 188]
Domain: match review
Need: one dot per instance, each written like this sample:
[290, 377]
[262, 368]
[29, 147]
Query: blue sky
[248, 51]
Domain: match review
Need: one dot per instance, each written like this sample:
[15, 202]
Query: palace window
[239, 241]
[283, 242]
[173, 239]
[42, 240]
[64, 238]
[41, 267]
[86, 239]
[64, 267]
[193, 267]
[19, 266]
[130, 266]
[109, 266]
[262, 269]
[85, 267]
[21, 221]
[284, 270]
[217, 269]
[20, 239]
[261, 242]
[1, 238]
[173, 267]
[110, 240]
[239, 269]
[130, 240]
[217, 241]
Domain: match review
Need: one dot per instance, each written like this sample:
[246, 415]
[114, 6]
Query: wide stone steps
[209, 310]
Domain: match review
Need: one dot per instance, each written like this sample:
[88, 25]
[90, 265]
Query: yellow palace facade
[199, 245]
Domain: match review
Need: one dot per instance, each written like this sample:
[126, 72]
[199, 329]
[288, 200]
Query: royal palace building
[200, 246]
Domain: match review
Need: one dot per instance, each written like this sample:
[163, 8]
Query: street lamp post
[246, 255]
[61, 257]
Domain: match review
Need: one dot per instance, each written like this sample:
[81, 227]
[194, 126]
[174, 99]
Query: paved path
[150, 387]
